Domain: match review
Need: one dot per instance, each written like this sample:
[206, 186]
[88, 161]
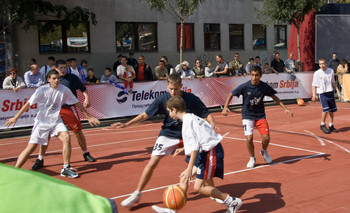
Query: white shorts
[261, 125]
[41, 131]
[166, 146]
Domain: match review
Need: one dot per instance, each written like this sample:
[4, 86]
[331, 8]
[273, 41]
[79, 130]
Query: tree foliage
[29, 13]
[289, 11]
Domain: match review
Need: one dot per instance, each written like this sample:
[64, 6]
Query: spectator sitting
[184, 70]
[198, 69]
[117, 63]
[108, 76]
[249, 66]
[258, 62]
[143, 71]
[277, 65]
[12, 81]
[161, 71]
[266, 69]
[208, 69]
[168, 66]
[33, 78]
[126, 73]
[91, 79]
[290, 63]
[236, 66]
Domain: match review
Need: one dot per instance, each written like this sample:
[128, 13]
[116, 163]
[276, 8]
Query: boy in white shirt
[48, 123]
[199, 138]
[323, 85]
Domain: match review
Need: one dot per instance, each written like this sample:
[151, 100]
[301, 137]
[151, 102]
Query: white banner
[108, 101]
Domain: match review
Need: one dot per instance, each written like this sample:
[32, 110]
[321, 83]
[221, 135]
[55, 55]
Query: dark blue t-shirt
[72, 82]
[172, 128]
[253, 99]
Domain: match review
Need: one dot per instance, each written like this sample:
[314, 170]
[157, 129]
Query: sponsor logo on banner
[8, 105]
[122, 97]
[284, 84]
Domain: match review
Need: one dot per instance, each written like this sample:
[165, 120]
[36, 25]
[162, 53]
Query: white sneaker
[251, 163]
[134, 198]
[162, 210]
[266, 156]
[234, 205]
[217, 200]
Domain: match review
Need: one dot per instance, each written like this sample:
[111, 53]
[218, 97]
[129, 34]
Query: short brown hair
[176, 102]
[12, 70]
[174, 79]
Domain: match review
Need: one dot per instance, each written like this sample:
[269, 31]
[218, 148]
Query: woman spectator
[12, 81]
[208, 69]
[198, 69]
[341, 69]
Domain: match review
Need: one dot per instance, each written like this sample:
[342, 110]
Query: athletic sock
[323, 123]
[40, 157]
[228, 200]
[85, 151]
[65, 165]
[330, 124]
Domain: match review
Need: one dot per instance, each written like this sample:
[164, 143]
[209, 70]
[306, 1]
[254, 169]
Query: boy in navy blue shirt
[253, 111]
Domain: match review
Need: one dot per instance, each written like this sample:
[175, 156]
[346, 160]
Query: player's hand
[186, 176]
[178, 151]
[118, 125]
[225, 111]
[94, 121]
[10, 121]
[313, 99]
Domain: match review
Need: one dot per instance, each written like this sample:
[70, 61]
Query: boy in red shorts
[253, 111]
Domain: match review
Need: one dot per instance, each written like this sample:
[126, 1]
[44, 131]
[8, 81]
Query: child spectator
[266, 68]
[108, 76]
[208, 69]
[91, 79]
[126, 73]
[82, 68]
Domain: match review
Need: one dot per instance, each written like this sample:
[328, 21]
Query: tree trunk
[181, 39]
[300, 66]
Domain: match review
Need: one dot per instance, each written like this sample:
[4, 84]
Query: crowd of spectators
[126, 70]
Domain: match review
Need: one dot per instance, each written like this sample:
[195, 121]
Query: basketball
[174, 197]
[300, 102]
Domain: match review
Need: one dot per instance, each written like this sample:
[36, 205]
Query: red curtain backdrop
[307, 42]
[187, 36]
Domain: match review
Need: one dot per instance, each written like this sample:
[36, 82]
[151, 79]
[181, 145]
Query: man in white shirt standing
[45, 69]
[74, 68]
[323, 85]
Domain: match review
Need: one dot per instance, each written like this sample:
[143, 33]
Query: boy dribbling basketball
[199, 138]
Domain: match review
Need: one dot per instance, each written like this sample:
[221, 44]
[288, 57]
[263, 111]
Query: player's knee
[64, 137]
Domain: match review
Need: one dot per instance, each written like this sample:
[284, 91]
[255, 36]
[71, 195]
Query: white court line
[117, 142]
[318, 138]
[243, 170]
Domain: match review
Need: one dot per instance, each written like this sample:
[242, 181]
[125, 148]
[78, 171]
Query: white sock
[323, 123]
[85, 151]
[330, 124]
[40, 157]
[65, 165]
[228, 200]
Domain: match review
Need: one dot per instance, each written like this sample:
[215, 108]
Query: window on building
[188, 36]
[259, 36]
[212, 36]
[280, 36]
[136, 36]
[236, 32]
[59, 38]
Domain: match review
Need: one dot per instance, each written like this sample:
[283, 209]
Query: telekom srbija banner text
[108, 101]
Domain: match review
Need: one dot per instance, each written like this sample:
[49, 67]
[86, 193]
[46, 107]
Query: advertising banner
[108, 101]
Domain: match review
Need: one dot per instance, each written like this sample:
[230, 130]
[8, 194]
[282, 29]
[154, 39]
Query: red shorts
[70, 118]
[261, 125]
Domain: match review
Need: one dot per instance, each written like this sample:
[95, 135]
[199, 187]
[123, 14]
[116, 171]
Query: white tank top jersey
[323, 80]
[198, 134]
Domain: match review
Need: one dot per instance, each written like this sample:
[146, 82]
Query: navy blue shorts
[327, 102]
[211, 163]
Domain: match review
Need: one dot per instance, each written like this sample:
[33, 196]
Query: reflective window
[212, 36]
[280, 36]
[136, 36]
[236, 32]
[259, 36]
[60, 39]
